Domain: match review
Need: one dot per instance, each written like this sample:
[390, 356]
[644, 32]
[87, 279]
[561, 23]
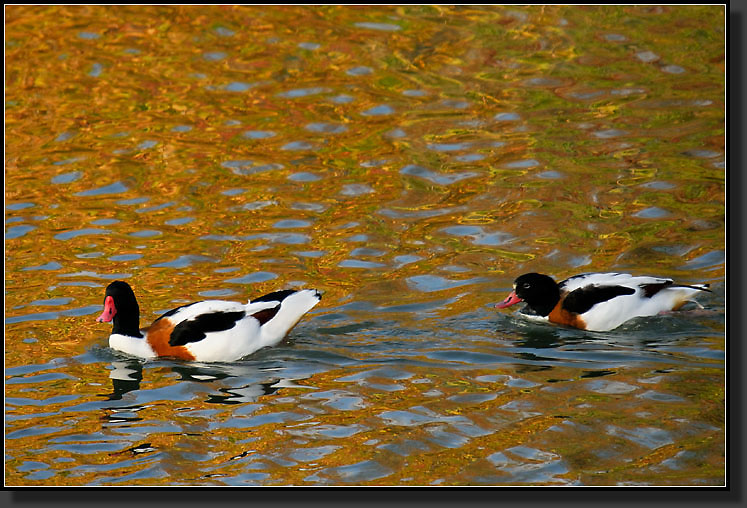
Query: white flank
[228, 345]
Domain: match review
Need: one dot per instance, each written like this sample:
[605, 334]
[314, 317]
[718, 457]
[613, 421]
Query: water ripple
[68, 235]
[114, 188]
[253, 278]
[435, 177]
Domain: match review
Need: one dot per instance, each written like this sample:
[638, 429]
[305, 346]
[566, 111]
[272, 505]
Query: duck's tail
[701, 287]
[290, 308]
[687, 293]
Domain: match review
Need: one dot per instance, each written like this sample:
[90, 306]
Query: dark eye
[526, 285]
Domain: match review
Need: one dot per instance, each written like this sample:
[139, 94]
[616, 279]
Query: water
[409, 162]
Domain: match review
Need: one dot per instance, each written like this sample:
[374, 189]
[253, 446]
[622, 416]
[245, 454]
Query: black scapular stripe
[583, 299]
[194, 330]
[275, 296]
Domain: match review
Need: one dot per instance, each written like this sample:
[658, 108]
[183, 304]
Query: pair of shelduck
[223, 331]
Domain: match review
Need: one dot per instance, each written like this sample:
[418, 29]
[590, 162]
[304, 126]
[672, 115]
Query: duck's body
[206, 331]
[598, 301]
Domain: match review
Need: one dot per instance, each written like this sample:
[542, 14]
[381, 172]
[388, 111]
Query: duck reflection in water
[126, 377]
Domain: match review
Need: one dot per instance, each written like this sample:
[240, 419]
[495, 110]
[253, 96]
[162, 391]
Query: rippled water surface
[409, 162]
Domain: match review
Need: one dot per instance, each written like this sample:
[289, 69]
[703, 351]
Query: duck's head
[540, 292]
[119, 299]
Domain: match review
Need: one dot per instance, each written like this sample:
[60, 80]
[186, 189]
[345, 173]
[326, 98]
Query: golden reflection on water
[409, 161]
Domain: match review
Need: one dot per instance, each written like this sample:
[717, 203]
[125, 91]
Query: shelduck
[598, 301]
[206, 331]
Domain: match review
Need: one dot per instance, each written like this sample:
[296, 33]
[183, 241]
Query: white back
[209, 306]
[613, 313]
[248, 336]
[608, 279]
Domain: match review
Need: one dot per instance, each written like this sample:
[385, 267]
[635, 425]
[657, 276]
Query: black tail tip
[702, 287]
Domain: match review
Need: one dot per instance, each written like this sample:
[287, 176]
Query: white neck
[131, 345]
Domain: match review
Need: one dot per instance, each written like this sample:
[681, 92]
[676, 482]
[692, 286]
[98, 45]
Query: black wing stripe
[583, 299]
[194, 330]
[702, 287]
[649, 290]
[263, 316]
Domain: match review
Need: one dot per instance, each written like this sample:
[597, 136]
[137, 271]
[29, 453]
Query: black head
[540, 292]
[119, 288]
[120, 307]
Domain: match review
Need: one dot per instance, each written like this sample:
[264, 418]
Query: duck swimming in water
[206, 331]
[598, 301]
